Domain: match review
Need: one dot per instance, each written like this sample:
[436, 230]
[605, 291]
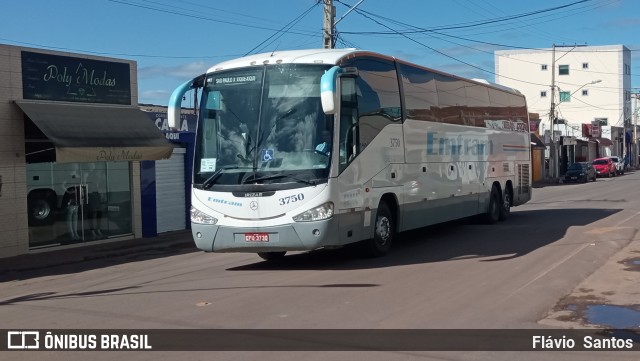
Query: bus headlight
[319, 213]
[198, 216]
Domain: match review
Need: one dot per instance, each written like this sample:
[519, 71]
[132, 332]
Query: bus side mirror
[328, 83]
[175, 102]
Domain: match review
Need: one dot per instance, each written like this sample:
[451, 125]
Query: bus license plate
[256, 237]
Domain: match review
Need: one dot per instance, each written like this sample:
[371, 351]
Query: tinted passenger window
[477, 105]
[452, 100]
[349, 146]
[378, 97]
[420, 94]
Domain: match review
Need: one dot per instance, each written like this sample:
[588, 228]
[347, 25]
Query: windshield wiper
[280, 175]
[209, 181]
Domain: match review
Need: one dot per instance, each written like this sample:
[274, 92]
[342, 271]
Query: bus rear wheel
[493, 210]
[505, 210]
[383, 234]
[271, 256]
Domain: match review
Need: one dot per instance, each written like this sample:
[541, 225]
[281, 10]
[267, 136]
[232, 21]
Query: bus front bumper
[299, 236]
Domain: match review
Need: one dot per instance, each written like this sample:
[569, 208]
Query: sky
[173, 41]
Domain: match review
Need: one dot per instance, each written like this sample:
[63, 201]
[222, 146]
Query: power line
[224, 11]
[283, 30]
[556, 16]
[118, 54]
[444, 54]
[435, 31]
[482, 42]
[364, 14]
[538, 31]
[469, 24]
[200, 17]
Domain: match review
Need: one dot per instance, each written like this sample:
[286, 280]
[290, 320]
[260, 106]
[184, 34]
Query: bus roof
[326, 56]
[310, 56]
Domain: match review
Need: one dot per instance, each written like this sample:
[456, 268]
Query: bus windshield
[263, 125]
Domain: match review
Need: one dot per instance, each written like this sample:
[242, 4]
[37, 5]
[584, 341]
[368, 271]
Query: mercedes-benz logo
[253, 205]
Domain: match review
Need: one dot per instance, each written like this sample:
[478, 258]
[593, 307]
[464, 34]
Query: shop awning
[536, 142]
[605, 142]
[95, 133]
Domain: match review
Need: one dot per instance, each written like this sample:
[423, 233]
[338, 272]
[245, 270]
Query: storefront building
[71, 142]
[537, 148]
[166, 184]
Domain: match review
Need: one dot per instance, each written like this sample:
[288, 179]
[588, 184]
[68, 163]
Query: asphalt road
[459, 275]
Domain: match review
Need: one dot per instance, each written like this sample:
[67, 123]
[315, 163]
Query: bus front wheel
[383, 234]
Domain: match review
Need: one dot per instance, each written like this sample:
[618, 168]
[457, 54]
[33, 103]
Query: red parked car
[604, 167]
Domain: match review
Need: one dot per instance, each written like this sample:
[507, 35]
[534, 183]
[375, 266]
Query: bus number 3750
[291, 199]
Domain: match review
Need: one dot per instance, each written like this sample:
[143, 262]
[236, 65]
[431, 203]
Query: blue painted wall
[148, 198]
[184, 138]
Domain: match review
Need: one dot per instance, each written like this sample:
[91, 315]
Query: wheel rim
[507, 202]
[383, 229]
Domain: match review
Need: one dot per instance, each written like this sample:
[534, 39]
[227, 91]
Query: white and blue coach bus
[309, 149]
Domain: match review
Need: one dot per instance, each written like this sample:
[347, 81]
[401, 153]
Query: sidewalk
[41, 260]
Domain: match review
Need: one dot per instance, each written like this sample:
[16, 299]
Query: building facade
[71, 142]
[590, 89]
[166, 184]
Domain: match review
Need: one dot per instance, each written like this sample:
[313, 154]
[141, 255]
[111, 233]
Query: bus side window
[349, 132]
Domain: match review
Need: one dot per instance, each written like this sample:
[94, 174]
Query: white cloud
[629, 23]
[183, 71]
[471, 50]
[160, 97]
[152, 80]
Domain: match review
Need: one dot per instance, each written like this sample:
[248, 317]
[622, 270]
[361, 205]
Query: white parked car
[619, 163]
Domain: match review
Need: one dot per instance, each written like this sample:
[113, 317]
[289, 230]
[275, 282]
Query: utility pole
[553, 154]
[328, 25]
[624, 138]
[635, 146]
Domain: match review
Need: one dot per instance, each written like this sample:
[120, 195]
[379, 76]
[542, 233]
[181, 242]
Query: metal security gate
[593, 151]
[170, 192]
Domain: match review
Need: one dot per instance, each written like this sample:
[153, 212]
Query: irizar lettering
[456, 146]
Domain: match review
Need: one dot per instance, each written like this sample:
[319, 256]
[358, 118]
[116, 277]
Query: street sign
[595, 129]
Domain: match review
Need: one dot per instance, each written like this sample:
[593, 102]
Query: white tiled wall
[13, 202]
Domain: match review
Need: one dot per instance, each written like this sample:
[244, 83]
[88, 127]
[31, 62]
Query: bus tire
[493, 210]
[271, 256]
[383, 233]
[505, 210]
